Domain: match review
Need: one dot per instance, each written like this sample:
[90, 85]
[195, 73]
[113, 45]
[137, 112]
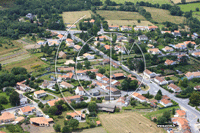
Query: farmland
[160, 15]
[128, 122]
[71, 17]
[129, 22]
[179, 1]
[188, 7]
[151, 1]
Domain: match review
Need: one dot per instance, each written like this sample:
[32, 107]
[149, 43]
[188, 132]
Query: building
[22, 87]
[126, 28]
[142, 28]
[113, 28]
[160, 80]
[189, 42]
[154, 51]
[98, 123]
[40, 42]
[60, 36]
[197, 88]
[174, 88]
[182, 124]
[168, 49]
[180, 46]
[180, 113]
[153, 103]
[191, 75]
[27, 109]
[69, 62]
[66, 85]
[77, 47]
[41, 121]
[48, 84]
[61, 54]
[65, 69]
[94, 92]
[165, 102]
[143, 38]
[69, 42]
[79, 90]
[53, 42]
[118, 76]
[106, 107]
[122, 101]
[107, 47]
[71, 26]
[101, 38]
[113, 90]
[163, 32]
[170, 62]
[88, 56]
[150, 46]
[40, 93]
[100, 76]
[149, 74]
[6, 117]
[176, 33]
[78, 115]
[139, 97]
[152, 28]
[196, 54]
[23, 99]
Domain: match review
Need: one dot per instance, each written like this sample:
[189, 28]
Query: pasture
[150, 1]
[71, 17]
[128, 122]
[190, 6]
[160, 15]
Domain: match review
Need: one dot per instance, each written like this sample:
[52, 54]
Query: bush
[117, 109]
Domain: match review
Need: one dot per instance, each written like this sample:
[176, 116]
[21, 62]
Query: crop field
[128, 122]
[160, 15]
[151, 1]
[120, 15]
[71, 17]
[190, 6]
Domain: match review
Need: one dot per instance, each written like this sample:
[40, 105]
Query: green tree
[195, 98]
[57, 127]
[173, 111]
[52, 110]
[0, 67]
[167, 115]
[92, 107]
[101, 70]
[87, 64]
[41, 105]
[79, 66]
[139, 21]
[65, 129]
[161, 120]
[73, 123]
[14, 99]
[158, 97]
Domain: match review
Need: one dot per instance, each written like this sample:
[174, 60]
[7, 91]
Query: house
[30, 16]
[105, 80]
[149, 74]
[196, 54]
[107, 47]
[92, 21]
[23, 99]
[40, 93]
[154, 51]
[101, 38]
[191, 75]
[40, 42]
[163, 32]
[165, 97]
[197, 88]
[180, 113]
[77, 47]
[142, 28]
[60, 36]
[143, 38]
[170, 62]
[69, 62]
[118, 76]
[66, 85]
[61, 54]
[180, 46]
[98, 123]
[112, 90]
[168, 49]
[52, 42]
[27, 109]
[150, 46]
[71, 26]
[100, 76]
[113, 28]
[194, 36]
[69, 42]
[174, 88]
[65, 69]
[76, 98]
[152, 28]
[22, 86]
[6, 117]
[67, 76]
[126, 28]
[78, 115]
[160, 80]
[122, 102]
[115, 65]
[79, 90]
[106, 61]
[153, 103]
[182, 124]
[88, 56]
[94, 92]
[189, 42]
[106, 107]
[41, 121]
[139, 97]
[176, 33]
[166, 103]
[120, 49]
[48, 84]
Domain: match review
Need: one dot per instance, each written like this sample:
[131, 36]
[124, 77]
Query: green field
[160, 15]
[151, 1]
[190, 6]
[196, 15]
[7, 97]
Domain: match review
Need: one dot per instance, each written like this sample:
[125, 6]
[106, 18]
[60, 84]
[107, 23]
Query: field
[190, 6]
[71, 17]
[128, 122]
[196, 15]
[160, 15]
[179, 1]
[151, 1]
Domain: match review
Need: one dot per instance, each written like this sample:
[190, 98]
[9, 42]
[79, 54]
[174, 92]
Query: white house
[77, 47]
[176, 33]
[126, 28]
[88, 56]
[64, 84]
[78, 115]
[139, 97]
[149, 74]
[143, 38]
[79, 91]
[196, 54]
[113, 28]
[142, 28]
[174, 88]
[69, 42]
[166, 103]
[191, 75]
[180, 46]
[160, 81]
[152, 28]
[100, 76]
[168, 49]
[154, 51]
[163, 32]
[40, 93]
[170, 62]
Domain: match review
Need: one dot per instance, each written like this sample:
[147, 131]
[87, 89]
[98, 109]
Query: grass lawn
[71, 17]
[146, 88]
[48, 97]
[196, 15]
[160, 15]
[190, 6]
[174, 78]
[47, 77]
[7, 97]
[150, 1]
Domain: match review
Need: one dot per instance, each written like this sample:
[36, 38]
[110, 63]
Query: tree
[0, 67]
[158, 97]
[87, 64]
[101, 70]
[161, 120]
[173, 111]
[198, 120]
[183, 1]
[41, 105]
[138, 20]
[65, 129]
[3, 100]
[69, 35]
[52, 110]
[14, 99]
[73, 123]
[79, 66]
[195, 98]
[159, 92]
[197, 9]
[167, 115]
[57, 127]
[92, 107]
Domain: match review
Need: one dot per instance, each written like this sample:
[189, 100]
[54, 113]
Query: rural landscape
[100, 66]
